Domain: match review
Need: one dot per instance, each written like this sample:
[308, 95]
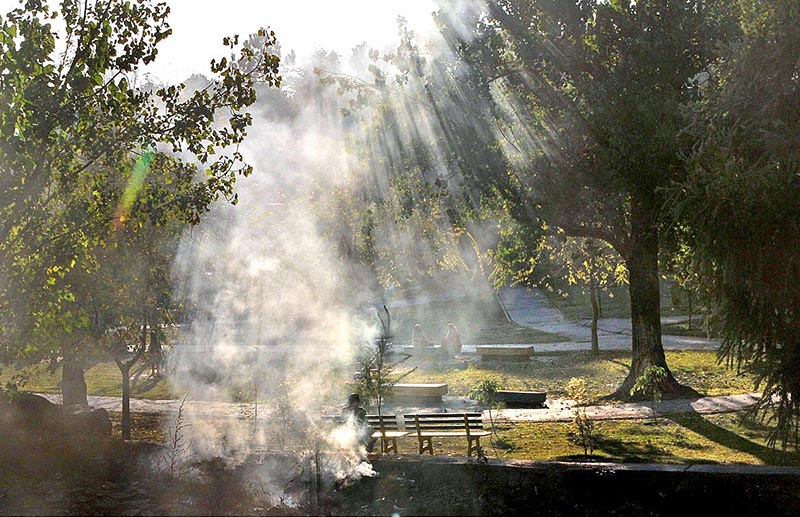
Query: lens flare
[135, 182]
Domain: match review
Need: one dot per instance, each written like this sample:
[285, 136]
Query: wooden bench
[420, 392]
[387, 429]
[446, 425]
[504, 353]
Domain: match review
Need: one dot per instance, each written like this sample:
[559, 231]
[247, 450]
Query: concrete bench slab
[504, 353]
[521, 399]
[433, 351]
[427, 392]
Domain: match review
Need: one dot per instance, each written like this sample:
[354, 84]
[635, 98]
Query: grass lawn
[574, 304]
[102, 379]
[545, 372]
[552, 372]
[679, 439]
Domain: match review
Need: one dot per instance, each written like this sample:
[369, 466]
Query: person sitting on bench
[418, 338]
[356, 416]
[452, 340]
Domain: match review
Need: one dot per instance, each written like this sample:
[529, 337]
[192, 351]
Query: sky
[300, 25]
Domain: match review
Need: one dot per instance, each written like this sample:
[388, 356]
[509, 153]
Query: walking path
[532, 309]
[562, 410]
[557, 410]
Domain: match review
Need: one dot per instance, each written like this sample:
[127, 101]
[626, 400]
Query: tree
[76, 126]
[414, 213]
[591, 264]
[130, 297]
[550, 261]
[741, 204]
[485, 393]
[594, 94]
[377, 369]
[688, 287]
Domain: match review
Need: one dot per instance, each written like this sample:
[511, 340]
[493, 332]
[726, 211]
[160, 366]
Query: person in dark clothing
[356, 415]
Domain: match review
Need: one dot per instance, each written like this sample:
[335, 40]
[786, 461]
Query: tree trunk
[599, 304]
[593, 295]
[155, 352]
[73, 384]
[125, 369]
[595, 317]
[642, 262]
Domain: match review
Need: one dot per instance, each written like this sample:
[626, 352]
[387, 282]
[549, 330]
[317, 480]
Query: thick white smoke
[267, 315]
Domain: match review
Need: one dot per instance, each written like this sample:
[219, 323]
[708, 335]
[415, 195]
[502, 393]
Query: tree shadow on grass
[632, 452]
[108, 391]
[718, 434]
[138, 389]
[619, 362]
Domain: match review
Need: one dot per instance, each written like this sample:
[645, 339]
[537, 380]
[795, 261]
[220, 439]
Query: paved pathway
[561, 410]
[197, 408]
[532, 309]
[557, 410]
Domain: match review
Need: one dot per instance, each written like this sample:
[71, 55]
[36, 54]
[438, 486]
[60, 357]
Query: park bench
[387, 430]
[419, 392]
[504, 353]
[446, 425]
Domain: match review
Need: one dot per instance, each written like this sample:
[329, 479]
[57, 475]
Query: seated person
[452, 340]
[418, 337]
[356, 416]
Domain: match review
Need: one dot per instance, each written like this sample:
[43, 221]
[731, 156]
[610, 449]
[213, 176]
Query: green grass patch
[681, 439]
[545, 372]
[575, 304]
[682, 329]
[551, 373]
[102, 379]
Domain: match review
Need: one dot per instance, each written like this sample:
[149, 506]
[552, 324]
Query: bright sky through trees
[300, 25]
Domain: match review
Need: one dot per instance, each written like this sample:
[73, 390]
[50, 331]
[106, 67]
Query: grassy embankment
[551, 373]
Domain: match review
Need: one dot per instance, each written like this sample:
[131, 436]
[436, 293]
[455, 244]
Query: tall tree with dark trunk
[593, 96]
[74, 127]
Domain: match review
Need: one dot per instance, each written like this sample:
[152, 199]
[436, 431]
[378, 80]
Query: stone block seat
[424, 352]
[504, 353]
[419, 392]
[522, 399]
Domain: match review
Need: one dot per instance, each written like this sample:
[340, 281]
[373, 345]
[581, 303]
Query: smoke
[267, 315]
[275, 310]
